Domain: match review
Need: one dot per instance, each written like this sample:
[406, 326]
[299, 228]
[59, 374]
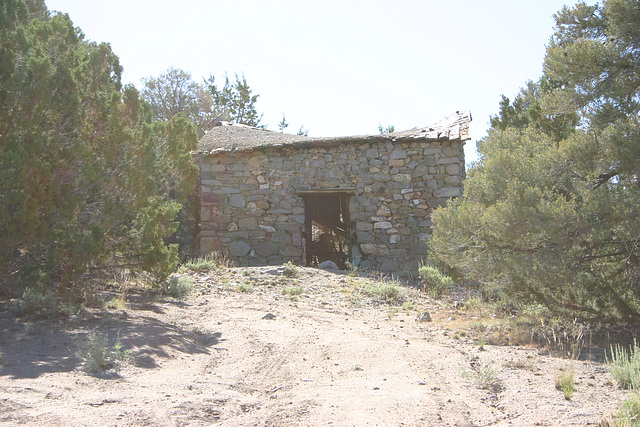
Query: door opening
[327, 230]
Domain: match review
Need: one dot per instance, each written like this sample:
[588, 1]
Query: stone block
[268, 249]
[398, 153]
[453, 181]
[364, 237]
[287, 226]
[208, 198]
[218, 168]
[239, 249]
[418, 249]
[447, 160]
[280, 237]
[372, 153]
[291, 251]
[206, 214]
[382, 225]
[373, 249]
[248, 223]
[383, 211]
[389, 265]
[257, 212]
[401, 177]
[236, 200]
[451, 151]
[452, 169]
[234, 235]
[267, 228]
[229, 190]
[420, 171]
[364, 226]
[448, 192]
[209, 245]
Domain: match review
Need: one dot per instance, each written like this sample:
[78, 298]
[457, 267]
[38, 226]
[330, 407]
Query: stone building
[268, 197]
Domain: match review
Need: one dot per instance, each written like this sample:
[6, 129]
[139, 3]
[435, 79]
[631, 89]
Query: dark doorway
[327, 231]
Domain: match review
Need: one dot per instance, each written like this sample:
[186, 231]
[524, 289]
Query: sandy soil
[330, 356]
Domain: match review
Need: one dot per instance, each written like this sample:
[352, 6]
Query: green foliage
[245, 288]
[174, 92]
[99, 356]
[436, 282]
[291, 270]
[234, 101]
[526, 110]
[384, 291]
[389, 129]
[629, 413]
[624, 366]
[566, 383]
[302, 131]
[177, 287]
[283, 124]
[204, 264]
[484, 376]
[549, 212]
[34, 305]
[86, 175]
[293, 291]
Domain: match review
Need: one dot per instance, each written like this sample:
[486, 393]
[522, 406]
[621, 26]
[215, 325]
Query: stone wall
[251, 212]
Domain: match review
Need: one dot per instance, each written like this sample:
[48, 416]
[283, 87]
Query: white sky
[336, 67]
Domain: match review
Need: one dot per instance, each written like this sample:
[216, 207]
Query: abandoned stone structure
[267, 197]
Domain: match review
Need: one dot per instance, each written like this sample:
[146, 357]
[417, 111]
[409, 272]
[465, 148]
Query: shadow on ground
[31, 349]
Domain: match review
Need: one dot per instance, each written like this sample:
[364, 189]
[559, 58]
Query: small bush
[117, 303]
[293, 290]
[34, 305]
[290, 269]
[484, 376]
[565, 382]
[625, 366]
[436, 282]
[98, 356]
[629, 413]
[387, 292]
[177, 287]
[246, 288]
[409, 306]
[203, 264]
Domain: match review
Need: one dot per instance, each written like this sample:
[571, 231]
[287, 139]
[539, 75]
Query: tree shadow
[32, 349]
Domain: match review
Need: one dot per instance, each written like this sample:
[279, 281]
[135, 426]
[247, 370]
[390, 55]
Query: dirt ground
[329, 356]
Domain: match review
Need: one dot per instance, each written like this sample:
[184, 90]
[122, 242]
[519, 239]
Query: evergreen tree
[283, 124]
[234, 101]
[174, 92]
[549, 213]
[85, 172]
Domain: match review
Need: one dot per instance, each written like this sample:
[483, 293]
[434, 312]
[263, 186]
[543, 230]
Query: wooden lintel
[327, 191]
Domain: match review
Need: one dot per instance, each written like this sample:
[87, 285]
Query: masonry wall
[251, 213]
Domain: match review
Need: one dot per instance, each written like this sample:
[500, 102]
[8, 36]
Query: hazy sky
[336, 67]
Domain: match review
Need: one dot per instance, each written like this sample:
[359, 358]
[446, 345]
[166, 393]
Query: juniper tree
[550, 212]
[85, 172]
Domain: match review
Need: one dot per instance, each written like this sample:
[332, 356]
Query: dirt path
[326, 357]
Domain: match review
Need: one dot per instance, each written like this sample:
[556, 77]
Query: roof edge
[450, 128]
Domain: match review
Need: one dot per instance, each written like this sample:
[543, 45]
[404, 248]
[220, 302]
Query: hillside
[332, 355]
